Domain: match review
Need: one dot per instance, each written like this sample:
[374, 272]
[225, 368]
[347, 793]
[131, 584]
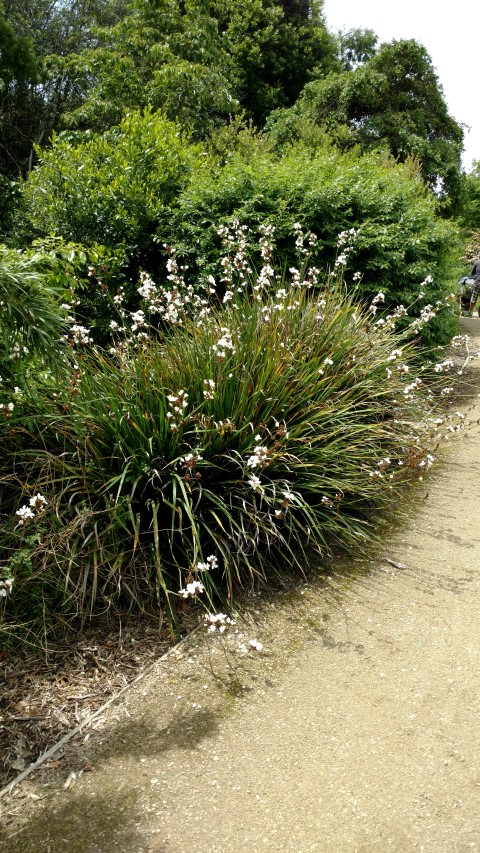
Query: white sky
[451, 34]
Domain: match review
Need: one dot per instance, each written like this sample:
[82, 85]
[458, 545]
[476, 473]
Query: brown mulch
[44, 696]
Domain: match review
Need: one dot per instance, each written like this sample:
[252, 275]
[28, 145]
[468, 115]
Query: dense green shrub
[109, 188]
[88, 277]
[141, 185]
[400, 240]
[248, 435]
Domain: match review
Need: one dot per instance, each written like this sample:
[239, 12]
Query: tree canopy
[393, 99]
[18, 75]
[85, 64]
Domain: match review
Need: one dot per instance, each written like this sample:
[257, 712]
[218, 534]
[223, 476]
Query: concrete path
[355, 729]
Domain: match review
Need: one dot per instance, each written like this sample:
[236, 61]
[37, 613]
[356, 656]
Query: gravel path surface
[355, 728]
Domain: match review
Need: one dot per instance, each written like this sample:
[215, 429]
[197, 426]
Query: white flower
[138, 318]
[81, 335]
[223, 344]
[258, 458]
[444, 365]
[218, 622]
[24, 514]
[255, 483]
[190, 460]
[209, 389]
[396, 353]
[211, 563]
[192, 589]
[38, 501]
[255, 644]
[5, 587]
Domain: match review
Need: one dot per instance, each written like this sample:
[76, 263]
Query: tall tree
[275, 47]
[356, 47]
[36, 38]
[18, 76]
[393, 99]
[470, 214]
[201, 60]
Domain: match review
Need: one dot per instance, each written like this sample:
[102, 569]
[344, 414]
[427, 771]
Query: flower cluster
[175, 302]
[178, 403]
[218, 622]
[6, 587]
[255, 483]
[300, 238]
[234, 263]
[28, 511]
[443, 366]
[379, 298]
[380, 471]
[309, 280]
[210, 564]
[17, 351]
[190, 460]
[224, 344]
[259, 457]
[345, 241]
[347, 238]
[412, 387]
[208, 389]
[139, 321]
[80, 335]
[192, 589]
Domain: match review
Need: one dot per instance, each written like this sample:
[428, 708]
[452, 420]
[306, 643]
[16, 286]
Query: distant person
[475, 274]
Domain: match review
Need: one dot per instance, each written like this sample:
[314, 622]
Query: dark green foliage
[110, 188]
[394, 100]
[470, 214]
[200, 61]
[357, 47]
[17, 60]
[10, 195]
[400, 240]
[18, 75]
[31, 321]
[37, 38]
[61, 26]
[163, 55]
[273, 52]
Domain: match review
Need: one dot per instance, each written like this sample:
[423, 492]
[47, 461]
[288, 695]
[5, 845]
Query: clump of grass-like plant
[187, 464]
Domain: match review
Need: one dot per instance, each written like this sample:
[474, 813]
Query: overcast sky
[450, 33]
